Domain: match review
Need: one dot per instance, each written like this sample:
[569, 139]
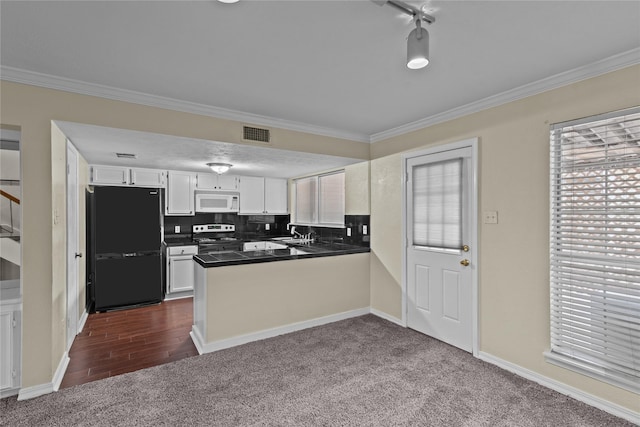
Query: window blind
[437, 204]
[320, 199]
[595, 247]
[331, 196]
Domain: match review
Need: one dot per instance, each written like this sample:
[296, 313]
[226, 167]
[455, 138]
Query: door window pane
[437, 204]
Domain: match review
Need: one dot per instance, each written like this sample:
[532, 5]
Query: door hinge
[14, 322]
[13, 373]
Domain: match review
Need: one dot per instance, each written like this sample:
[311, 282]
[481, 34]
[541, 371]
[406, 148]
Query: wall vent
[255, 134]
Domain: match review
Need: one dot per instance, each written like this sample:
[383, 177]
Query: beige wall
[256, 297]
[357, 191]
[31, 109]
[513, 254]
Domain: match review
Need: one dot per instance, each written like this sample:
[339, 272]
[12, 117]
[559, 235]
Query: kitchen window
[319, 200]
[595, 247]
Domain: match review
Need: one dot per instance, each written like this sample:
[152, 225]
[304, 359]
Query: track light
[418, 41]
[219, 168]
[418, 47]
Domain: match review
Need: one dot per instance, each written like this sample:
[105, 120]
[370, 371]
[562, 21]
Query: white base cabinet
[10, 318]
[180, 268]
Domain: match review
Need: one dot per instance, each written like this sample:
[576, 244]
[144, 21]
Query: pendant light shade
[219, 168]
[418, 48]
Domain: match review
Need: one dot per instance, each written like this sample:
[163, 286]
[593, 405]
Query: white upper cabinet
[251, 195]
[263, 196]
[123, 176]
[180, 197]
[109, 175]
[213, 181]
[275, 196]
[147, 177]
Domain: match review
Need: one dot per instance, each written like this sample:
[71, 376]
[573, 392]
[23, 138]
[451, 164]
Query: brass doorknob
[465, 248]
[464, 262]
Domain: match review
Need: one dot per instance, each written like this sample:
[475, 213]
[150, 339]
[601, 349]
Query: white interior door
[72, 244]
[439, 246]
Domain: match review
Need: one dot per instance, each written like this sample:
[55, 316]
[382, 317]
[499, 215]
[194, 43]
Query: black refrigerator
[124, 247]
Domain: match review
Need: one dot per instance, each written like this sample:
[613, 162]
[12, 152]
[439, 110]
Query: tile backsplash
[256, 226]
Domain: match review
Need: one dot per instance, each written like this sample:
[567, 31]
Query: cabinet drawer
[182, 250]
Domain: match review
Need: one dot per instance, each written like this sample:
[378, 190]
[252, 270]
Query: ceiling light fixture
[418, 41]
[228, 1]
[219, 168]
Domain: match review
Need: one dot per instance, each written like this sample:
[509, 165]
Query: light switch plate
[365, 229]
[490, 217]
[348, 231]
[267, 227]
[176, 229]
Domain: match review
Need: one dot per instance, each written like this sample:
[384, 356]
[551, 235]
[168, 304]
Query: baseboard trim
[40, 389]
[9, 392]
[59, 374]
[35, 391]
[589, 399]
[274, 332]
[82, 321]
[197, 339]
[388, 317]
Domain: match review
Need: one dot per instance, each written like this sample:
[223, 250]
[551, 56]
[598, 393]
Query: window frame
[581, 337]
[318, 202]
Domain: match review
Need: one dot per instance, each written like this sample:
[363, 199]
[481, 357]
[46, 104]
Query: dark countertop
[179, 241]
[311, 250]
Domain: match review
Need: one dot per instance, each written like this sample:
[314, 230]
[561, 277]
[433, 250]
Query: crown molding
[612, 63]
[33, 78]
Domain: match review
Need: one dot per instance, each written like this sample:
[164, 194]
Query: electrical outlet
[348, 231]
[490, 217]
[267, 227]
[176, 229]
[365, 229]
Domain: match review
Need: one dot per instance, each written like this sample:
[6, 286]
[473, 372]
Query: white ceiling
[335, 66]
[99, 146]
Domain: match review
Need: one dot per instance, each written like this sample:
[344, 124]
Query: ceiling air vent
[255, 134]
[125, 156]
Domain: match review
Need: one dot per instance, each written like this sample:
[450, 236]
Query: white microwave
[217, 202]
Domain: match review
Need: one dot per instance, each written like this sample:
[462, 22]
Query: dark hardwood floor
[123, 341]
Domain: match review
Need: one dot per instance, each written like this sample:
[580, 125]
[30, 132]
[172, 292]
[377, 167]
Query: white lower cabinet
[180, 268]
[10, 317]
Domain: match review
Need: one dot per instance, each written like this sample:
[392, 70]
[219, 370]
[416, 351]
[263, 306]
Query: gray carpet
[358, 372]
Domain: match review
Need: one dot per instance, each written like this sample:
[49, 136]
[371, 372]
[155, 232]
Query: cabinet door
[180, 193]
[147, 178]
[6, 349]
[206, 181]
[275, 196]
[109, 175]
[251, 195]
[181, 273]
[227, 182]
[213, 181]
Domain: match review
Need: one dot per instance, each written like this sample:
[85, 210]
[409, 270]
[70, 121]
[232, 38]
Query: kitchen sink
[292, 240]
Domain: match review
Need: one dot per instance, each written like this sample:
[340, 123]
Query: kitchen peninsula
[241, 297]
